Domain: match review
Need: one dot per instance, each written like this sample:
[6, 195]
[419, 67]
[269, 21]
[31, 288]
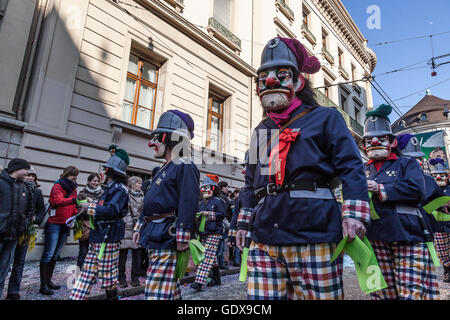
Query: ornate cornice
[336, 14]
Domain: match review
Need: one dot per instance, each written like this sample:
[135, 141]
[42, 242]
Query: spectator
[91, 192]
[63, 199]
[228, 209]
[236, 260]
[146, 183]
[135, 206]
[21, 250]
[16, 203]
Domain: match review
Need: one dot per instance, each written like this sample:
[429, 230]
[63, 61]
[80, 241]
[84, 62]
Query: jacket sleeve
[40, 206]
[219, 213]
[410, 189]
[58, 197]
[347, 161]
[188, 189]
[111, 209]
[30, 203]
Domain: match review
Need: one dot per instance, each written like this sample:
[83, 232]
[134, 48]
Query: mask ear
[300, 84]
[394, 143]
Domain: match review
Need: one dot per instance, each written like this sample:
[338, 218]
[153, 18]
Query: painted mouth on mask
[376, 148]
[279, 90]
[154, 146]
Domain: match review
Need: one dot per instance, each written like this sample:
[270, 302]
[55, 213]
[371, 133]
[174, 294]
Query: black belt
[273, 189]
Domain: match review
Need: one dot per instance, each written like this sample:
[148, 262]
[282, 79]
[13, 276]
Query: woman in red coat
[63, 199]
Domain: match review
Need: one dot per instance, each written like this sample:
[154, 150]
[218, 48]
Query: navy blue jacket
[216, 205]
[175, 188]
[112, 206]
[323, 150]
[404, 185]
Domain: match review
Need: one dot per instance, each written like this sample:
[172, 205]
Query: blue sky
[402, 19]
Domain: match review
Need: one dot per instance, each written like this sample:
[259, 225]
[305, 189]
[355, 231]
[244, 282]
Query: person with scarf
[102, 259]
[135, 206]
[213, 208]
[288, 208]
[170, 205]
[442, 236]
[63, 201]
[399, 236]
[91, 192]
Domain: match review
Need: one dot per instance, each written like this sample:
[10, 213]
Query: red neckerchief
[379, 163]
[283, 117]
[279, 152]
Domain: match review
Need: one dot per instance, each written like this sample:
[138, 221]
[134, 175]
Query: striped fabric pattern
[138, 226]
[408, 270]
[106, 270]
[382, 193]
[442, 244]
[300, 272]
[183, 235]
[356, 209]
[244, 218]
[161, 283]
[91, 209]
[211, 243]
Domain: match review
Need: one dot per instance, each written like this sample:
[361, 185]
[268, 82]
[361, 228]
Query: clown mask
[441, 179]
[277, 87]
[156, 143]
[379, 148]
[207, 191]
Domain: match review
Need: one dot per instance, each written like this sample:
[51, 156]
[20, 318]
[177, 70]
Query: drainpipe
[30, 56]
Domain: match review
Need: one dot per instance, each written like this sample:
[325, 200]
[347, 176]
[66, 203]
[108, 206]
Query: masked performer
[170, 205]
[295, 220]
[213, 208]
[399, 237]
[108, 231]
[442, 238]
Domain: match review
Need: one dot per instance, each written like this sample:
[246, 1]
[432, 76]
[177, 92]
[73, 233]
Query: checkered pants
[408, 270]
[211, 243]
[107, 269]
[294, 272]
[442, 244]
[161, 283]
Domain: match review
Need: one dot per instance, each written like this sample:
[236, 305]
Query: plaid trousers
[161, 283]
[408, 270]
[211, 243]
[107, 269]
[294, 272]
[442, 243]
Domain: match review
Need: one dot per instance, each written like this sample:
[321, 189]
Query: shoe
[43, 269]
[235, 264]
[223, 267]
[12, 297]
[196, 286]
[135, 282]
[447, 274]
[112, 294]
[215, 279]
[51, 267]
[123, 283]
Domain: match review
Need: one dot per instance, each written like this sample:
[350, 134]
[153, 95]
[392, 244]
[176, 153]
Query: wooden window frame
[140, 80]
[324, 39]
[353, 71]
[305, 19]
[220, 116]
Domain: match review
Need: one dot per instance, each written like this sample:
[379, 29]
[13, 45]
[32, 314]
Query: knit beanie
[17, 164]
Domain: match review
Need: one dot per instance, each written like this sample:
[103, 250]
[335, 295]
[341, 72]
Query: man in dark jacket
[16, 211]
[228, 213]
[21, 250]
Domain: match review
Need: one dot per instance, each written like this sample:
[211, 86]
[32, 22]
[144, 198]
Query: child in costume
[108, 212]
[170, 205]
[399, 236]
[213, 208]
[287, 201]
[442, 237]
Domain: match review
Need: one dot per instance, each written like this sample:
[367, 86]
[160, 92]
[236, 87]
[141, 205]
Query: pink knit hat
[306, 63]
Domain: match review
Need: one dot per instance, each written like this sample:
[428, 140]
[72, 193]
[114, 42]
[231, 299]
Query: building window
[3, 4]
[324, 39]
[140, 92]
[423, 117]
[344, 102]
[215, 122]
[222, 12]
[327, 85]
[353, 72]
[358, 106]
[305, 20]
[341, 57]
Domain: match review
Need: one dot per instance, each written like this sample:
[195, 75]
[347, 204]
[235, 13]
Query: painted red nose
[272, 83]
[375, 142]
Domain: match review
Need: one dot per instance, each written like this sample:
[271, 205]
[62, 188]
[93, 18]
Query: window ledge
[178, 5]
[284, 8]
[356, 87]
[308, 35]
[327, 55]
[120, 126]
[343, 73]
[216, 29]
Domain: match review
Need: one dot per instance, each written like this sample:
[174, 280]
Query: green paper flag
[367, 269]
[243, 273]
[197, 251]
[440, 216]
[373, 214]
[102, 249]
[433, 254]
[182, 264]
[91, 222]
[436, 203]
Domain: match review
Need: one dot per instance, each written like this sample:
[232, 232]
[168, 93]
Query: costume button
[275, 225]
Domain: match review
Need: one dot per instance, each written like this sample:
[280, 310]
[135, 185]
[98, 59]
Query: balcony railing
[308, 34]
[327, 55]
[282, 5]
[323, 100]
[225, 35]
